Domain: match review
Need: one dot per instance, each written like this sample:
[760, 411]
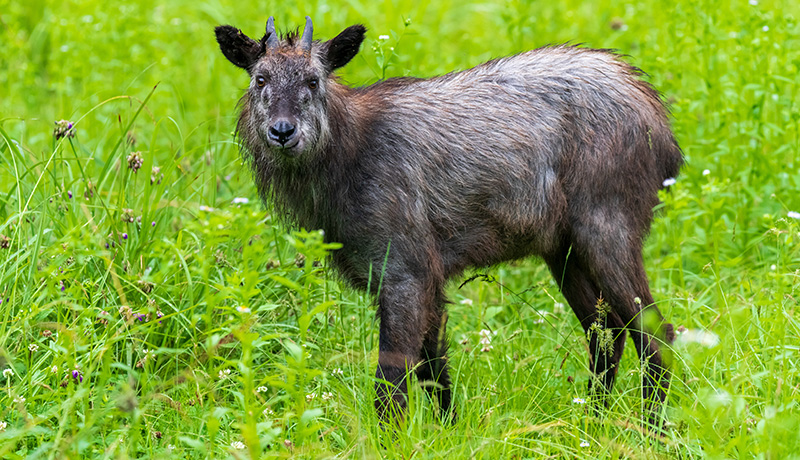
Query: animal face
[286, 99]
[290, 78]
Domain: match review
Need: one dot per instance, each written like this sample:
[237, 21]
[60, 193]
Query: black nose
[281, 132]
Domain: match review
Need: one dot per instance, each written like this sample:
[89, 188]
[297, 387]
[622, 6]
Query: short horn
[272, 37]
[308, 33]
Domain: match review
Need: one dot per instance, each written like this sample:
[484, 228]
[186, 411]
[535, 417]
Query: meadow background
[166, 314]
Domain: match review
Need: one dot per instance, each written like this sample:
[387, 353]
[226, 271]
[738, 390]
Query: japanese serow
[558, 152]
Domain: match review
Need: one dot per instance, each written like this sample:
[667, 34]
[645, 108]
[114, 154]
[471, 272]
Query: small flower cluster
[238, 445]
[8, 373]
[126, 312]
[129, 216]
[156, 176]
[135, 161]
[3, 426]
[338, 372]
[486, 340]
[145, 286]
[64, 128]
[224, 374]
[103, 317]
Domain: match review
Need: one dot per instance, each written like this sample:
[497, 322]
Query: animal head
[290, 80]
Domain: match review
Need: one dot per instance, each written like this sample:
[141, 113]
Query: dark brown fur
[558, 152]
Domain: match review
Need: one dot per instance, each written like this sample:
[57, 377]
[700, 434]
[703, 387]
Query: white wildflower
[7, 373]
[170, 447]
[704, 338]
[240, 200]
[584, 444]
[19, 400]
[262, 389]
[238, 445]
[54, 369]
[224, 373]
[327, 395]
[765, 28]
[466, 302]
[242, 309]
[206, 208]
[383, 37]
[3, 425]
[794, 214]
[486, 340]
[268, 412]
[753, 2]
[669, 181]
[33, 347]
[558, 307]
[338, 371]
[773, 267]
[578, 401]
[310, 397]
[706, 172]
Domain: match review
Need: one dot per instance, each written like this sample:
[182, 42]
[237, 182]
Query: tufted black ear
[240, 49]
[344, 47]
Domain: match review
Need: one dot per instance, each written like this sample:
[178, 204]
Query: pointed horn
[308, 32]
[272, 37]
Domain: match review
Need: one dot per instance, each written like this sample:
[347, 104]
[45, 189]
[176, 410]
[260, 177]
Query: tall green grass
[166, 314]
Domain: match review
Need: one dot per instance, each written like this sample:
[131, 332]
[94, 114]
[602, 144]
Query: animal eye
[261, 81]
[313, 83]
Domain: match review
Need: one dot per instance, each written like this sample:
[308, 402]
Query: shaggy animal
[557, 152]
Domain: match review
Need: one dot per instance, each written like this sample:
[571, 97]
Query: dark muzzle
[282, 132]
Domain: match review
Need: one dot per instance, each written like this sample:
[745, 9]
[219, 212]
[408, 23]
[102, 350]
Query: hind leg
[605, 331]
[615, 264]
[432, 372]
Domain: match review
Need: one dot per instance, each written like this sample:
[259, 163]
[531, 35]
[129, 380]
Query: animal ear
[240, 49]
[344, 47]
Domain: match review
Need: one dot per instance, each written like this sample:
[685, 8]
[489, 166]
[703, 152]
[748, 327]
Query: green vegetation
[157, 314]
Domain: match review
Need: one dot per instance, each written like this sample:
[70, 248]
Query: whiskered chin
[291, 149]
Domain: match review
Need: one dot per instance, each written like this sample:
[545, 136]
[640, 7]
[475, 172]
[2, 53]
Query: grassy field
[150, 307]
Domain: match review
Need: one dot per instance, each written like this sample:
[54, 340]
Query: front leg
[407, 310]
